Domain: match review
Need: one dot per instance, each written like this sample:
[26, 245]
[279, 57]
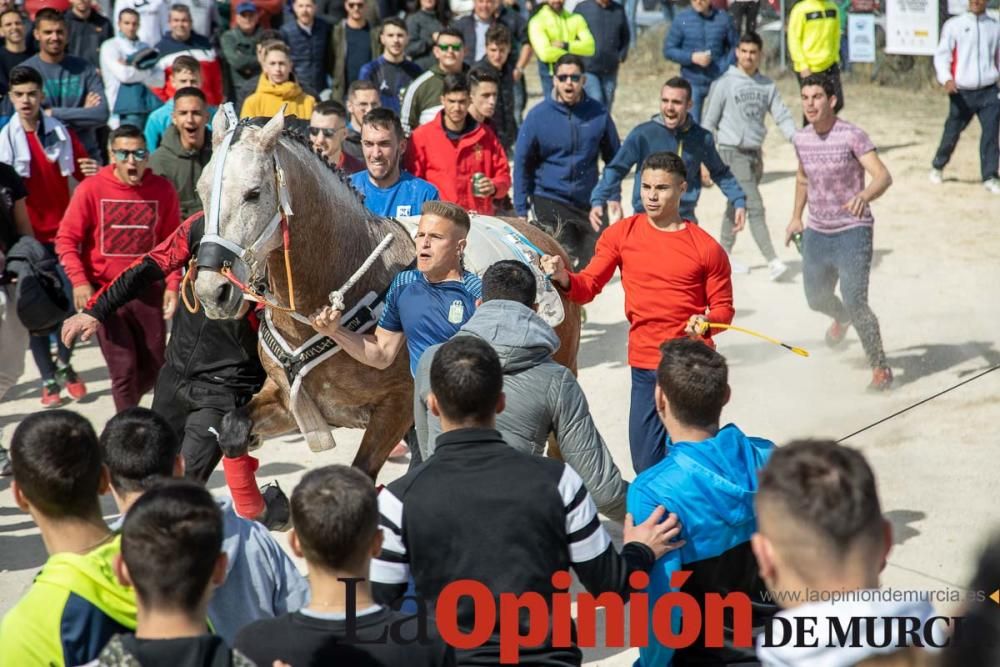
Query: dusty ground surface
[933, 288]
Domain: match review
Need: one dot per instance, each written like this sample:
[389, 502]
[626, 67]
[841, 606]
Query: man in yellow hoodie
[554, 32]
[277, 88]
[814, 42]
[75, 603]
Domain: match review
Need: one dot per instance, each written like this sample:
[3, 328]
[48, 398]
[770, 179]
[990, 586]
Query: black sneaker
[277, 513]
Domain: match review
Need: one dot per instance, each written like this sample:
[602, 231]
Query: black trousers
[195, 410]
[963, 106]
[745, 12]
[568, 224]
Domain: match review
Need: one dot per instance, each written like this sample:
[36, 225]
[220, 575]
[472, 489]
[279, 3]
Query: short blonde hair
[448, 211]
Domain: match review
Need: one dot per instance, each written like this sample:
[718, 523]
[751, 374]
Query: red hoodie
[108, 224]
[449, 165]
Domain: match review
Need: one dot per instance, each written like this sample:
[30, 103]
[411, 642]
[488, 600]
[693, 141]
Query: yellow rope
[797, 350]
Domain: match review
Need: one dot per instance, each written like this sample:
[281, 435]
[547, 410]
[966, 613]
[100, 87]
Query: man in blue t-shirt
[425, 306]
[388, 190]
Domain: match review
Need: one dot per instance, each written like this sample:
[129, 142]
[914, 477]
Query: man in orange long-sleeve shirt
[675, 278]
[114, 217]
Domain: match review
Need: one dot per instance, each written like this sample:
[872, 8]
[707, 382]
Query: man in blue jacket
[702, 40]
[674, 131]
[555, 160]
[708, 479]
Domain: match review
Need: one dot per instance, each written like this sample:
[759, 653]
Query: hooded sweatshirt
[74, 606]
[542, 397]
[182, 167]
[868, 613]
[109, 224]
[270, 96]
[710, 486]
[691, 142]
[737, 106]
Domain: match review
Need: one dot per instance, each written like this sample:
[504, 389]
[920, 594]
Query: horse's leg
[388, 423]
[269, 411]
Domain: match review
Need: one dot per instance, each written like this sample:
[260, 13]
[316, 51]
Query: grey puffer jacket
[542, 397]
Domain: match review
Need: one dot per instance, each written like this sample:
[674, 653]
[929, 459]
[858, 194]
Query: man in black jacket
[212, 368]
[482, 511]
[87, 31]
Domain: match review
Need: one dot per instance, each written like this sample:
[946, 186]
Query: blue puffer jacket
[310, 53]
[693, 31]
[557, 150]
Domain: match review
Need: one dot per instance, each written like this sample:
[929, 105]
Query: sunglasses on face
[123, 155]
[563, 78]
[450, 47]
[328, 132]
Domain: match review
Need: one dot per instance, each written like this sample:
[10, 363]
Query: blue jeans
[601, 87]
[845, 256]
[647, 437]
[698, 95]
[546, 77]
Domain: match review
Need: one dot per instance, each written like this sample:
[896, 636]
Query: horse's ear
[220, 125]
[268, 136]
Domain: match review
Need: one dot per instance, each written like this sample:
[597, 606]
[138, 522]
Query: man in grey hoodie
[821, 545]
[737, 105]
[542, 396]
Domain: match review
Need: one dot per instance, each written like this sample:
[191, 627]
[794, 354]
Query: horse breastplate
[297, 362]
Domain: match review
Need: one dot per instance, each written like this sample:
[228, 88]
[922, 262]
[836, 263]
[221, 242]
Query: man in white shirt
[966, 63]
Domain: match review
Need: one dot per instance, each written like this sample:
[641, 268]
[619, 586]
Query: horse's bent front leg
[269, 412]
[389, 422]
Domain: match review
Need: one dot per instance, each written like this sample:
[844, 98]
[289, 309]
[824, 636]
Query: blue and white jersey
[428, 313]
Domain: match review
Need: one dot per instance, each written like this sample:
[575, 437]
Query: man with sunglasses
[422, 101]
[353, 43]
[327, 130]
[555, 161]
[114, 217]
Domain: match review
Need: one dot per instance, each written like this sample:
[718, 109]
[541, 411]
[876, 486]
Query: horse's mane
[294, 130]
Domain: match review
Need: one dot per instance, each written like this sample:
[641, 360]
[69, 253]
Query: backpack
[42, 302]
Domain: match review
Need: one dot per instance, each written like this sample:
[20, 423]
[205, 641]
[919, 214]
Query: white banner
[911, 27]
[861, 38]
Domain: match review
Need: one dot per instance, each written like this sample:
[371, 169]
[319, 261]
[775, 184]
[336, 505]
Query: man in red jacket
[676, 277]
[113, 218]
[460, 156]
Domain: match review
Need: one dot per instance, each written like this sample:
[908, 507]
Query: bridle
[235, 263]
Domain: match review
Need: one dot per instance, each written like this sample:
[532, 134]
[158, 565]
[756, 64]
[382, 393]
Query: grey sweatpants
[747, 166]
[13, 341]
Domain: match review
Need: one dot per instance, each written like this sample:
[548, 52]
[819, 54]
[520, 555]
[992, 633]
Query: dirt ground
[933, 287]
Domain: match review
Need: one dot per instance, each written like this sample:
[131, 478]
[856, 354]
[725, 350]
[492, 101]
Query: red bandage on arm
[243, 485]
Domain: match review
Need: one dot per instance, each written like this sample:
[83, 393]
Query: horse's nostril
[225, 290]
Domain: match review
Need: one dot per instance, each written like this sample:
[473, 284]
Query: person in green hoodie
[75, 604]
[186, 148]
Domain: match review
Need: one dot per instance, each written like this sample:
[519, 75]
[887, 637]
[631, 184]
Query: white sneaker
[777, 269]
[936, 176]
[737, 267]
[992, 186]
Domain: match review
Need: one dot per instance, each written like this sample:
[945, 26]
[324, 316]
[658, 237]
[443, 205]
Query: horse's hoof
[320, 441]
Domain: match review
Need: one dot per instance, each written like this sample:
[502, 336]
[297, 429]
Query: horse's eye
[252, 195]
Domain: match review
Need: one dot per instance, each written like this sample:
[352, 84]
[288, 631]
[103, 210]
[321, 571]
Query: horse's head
[243, 204]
